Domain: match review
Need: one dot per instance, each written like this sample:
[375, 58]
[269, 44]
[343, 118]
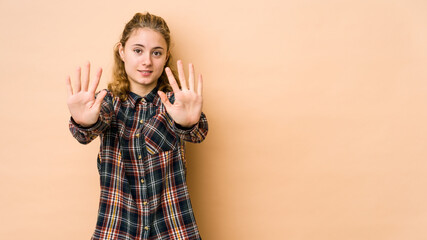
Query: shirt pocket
[159, 134]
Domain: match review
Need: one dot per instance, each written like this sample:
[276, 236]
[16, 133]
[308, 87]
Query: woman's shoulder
[110, 95]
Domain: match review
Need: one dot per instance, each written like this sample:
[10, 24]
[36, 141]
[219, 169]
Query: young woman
[142, 125]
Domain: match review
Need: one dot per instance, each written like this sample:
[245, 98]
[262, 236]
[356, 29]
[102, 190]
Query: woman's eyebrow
[140, 45]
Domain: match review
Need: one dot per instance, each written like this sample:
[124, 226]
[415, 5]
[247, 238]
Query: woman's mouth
[145, 73]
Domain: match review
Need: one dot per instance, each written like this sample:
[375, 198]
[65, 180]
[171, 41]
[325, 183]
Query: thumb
[101, 95]
[164, 99]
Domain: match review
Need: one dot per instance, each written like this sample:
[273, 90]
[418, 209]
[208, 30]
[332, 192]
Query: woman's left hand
[187, 108]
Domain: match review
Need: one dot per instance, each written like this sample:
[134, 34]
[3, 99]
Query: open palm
[187, 108]
[83, 105]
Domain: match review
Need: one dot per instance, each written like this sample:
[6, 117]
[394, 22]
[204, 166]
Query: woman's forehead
[146, 37]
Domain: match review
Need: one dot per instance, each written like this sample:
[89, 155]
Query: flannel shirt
[142, 169]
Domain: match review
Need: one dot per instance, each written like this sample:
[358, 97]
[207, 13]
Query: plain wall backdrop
[317, 113]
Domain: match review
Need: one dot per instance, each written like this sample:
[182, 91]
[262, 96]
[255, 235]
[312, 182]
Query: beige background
[317, 113]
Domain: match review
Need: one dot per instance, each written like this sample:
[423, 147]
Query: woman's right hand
[83, 105]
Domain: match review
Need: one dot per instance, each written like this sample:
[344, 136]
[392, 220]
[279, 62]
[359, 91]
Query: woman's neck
[142, 90]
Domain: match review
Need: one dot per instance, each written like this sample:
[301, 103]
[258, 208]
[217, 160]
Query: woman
[142, 126]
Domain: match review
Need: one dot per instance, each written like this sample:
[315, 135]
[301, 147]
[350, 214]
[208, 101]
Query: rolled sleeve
[195, 134]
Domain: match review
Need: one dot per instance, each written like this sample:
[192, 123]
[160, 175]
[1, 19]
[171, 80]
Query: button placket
[143, 202]
[144, 207]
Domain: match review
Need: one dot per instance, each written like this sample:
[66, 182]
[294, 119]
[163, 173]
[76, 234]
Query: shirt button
[137, 135]
[139, 156]
[142, 180]
[145, 203]
[146, 228]
[140, 121]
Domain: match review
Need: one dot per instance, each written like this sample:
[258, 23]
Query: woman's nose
[146, 59]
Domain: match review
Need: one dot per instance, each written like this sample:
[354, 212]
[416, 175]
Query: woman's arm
[186, 111]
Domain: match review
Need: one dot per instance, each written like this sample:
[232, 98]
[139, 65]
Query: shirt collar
[134, 98]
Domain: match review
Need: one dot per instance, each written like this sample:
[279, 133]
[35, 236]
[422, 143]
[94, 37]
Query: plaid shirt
[142, 169]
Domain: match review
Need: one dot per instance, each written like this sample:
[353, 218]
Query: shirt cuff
[185, 130]
[90, 128]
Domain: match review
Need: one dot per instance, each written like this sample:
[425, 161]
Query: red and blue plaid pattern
[142, 169]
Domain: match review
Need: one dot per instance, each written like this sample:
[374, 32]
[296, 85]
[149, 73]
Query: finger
[172, 80]
[77, 83]
[86, 77]
[191, 77]
[181, 75]
[200, 85]
[69, 87]
[94, 84]
[164, 99]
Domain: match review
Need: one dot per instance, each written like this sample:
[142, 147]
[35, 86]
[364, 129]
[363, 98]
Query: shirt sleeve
[86, 135]
[195, 134]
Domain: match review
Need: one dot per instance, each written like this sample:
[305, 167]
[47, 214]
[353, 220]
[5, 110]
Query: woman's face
[144, 56]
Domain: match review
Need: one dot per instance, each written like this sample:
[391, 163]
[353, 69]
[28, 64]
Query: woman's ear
[122, 55]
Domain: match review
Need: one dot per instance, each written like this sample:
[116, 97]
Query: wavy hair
[120, 86]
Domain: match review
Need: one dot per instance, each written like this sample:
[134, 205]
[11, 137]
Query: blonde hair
[120, 86]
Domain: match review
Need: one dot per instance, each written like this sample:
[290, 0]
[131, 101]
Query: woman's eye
[156, 53]
[138, 51]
